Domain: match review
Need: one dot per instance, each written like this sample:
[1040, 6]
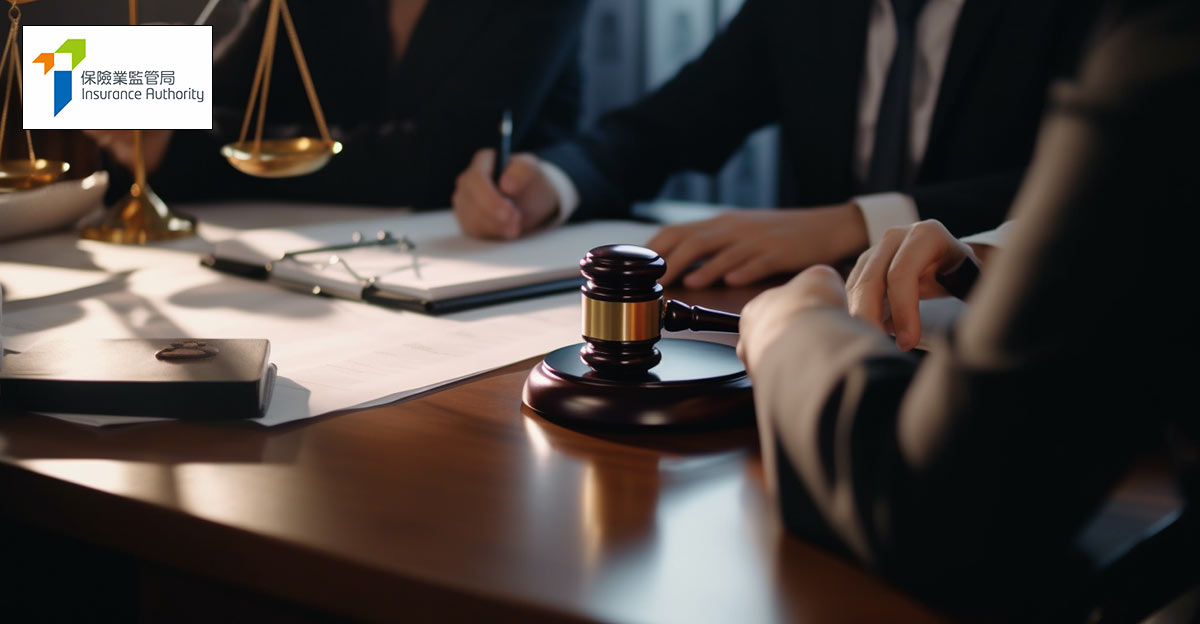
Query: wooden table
[457, 505]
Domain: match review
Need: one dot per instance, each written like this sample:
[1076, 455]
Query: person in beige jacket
[968, 474]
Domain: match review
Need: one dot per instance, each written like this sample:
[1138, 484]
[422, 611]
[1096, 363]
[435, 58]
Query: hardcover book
[178, 378]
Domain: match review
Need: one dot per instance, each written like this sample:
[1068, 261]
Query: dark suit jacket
[799, 63]
[408, 130]
[974, 469]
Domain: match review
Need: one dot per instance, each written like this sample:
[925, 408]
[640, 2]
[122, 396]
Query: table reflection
[661, 517]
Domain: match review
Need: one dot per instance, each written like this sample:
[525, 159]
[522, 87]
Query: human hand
[768, 314]
[524, 200]
[745, 246]
[119, 144]
[891, 278]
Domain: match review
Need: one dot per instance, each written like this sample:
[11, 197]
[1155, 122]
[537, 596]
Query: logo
[101, 77]
[62, 77]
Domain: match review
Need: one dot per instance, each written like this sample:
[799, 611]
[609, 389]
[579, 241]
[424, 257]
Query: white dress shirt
[935, 32]
[992, 238]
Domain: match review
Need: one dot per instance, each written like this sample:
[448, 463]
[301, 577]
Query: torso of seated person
[408, 87]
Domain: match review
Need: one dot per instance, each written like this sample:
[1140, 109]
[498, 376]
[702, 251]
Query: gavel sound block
[624, 373]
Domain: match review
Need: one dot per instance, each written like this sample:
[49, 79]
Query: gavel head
[622, 309]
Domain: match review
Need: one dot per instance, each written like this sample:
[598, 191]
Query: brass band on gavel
[622, 321]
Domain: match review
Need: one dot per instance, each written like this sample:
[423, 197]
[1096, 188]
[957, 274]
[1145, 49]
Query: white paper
[15, 341]
[343, 354]
[30, 281]
[937, 317]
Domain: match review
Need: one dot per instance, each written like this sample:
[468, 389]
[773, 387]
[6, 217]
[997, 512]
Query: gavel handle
[681, 316]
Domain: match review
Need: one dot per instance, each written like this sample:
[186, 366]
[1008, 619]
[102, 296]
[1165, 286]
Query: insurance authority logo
[102, 77]
[62, 77]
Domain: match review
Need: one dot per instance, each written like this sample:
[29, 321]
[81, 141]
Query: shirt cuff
[886, 210]
[564, 188]
[991, 238]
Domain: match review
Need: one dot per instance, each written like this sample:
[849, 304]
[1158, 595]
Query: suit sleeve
[693, 122]
[970, 205]
[953, 475]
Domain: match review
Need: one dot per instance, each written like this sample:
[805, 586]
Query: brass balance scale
[20, 174]
[141, 216]
[280, 158]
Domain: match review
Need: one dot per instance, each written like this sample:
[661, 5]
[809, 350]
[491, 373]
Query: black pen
[504, 148]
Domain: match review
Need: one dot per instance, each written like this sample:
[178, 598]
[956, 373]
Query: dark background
[629, 47]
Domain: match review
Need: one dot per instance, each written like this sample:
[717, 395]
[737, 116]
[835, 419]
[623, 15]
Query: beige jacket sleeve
[952, 475]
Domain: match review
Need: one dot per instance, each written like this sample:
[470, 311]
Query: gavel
[625, 312]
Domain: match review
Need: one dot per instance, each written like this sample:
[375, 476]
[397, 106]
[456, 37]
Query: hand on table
[891, 278]
[119, 144]
[524, 201]
[745, 246]
[768, 314]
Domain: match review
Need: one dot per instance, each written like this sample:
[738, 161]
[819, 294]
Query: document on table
[440, 271]
[331, 354]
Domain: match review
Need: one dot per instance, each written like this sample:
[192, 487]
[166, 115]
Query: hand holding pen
[503, 195]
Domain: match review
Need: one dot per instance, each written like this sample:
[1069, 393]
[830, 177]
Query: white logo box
[129, 78]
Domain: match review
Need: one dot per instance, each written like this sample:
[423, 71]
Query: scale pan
[24, 174]
[281, 158]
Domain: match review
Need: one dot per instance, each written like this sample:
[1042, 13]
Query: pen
[504, 148]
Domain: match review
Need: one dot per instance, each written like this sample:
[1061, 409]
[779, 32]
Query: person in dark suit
[973, 470]
[411, 88]
[893, 110]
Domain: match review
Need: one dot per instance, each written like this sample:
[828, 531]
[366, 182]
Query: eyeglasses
[357, 241]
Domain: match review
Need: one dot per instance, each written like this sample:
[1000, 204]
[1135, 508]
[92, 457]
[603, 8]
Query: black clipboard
[375, 296]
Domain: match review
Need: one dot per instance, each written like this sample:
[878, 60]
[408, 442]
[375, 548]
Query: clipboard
[386, 299]
[418, 262]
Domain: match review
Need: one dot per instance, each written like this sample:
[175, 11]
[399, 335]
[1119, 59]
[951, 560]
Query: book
[178, 378]
[419, 261]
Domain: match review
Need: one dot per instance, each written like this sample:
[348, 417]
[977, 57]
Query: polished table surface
[458, 504]
[453, 503]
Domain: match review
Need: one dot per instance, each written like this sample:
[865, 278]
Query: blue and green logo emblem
[62, 77]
